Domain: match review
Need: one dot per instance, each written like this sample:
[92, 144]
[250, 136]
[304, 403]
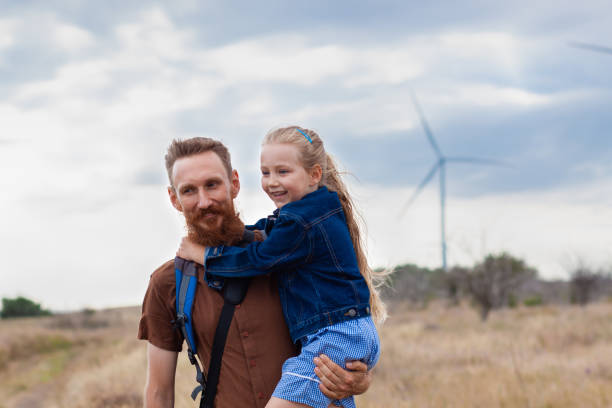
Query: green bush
[533, 301]
[4, 358]
[88, 311]
[512, 301]
[21, 307]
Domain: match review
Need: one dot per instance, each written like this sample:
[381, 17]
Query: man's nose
[204, 200]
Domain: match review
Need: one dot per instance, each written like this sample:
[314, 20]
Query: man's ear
[316, 173]
[174, 199]
[234, 184]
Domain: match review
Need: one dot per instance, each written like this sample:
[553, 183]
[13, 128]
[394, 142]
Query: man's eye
[212, 184]
[187, 190]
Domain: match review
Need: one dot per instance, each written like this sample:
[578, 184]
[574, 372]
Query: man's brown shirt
[257, 343]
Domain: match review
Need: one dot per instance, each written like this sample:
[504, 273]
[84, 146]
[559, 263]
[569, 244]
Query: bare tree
[584, 284]
[455, 284]
[413, 284]
[491, 282]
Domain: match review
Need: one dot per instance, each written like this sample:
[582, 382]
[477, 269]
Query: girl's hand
[191, 251]
[339, 383]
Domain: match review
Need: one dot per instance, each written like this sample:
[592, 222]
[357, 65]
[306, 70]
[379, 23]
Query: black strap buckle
[196, 391]
[191, 356]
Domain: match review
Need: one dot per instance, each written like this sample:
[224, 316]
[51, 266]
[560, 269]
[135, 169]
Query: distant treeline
[499, 280]
[21, 307]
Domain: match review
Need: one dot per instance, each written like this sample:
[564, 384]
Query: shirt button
[252, 363]
[351, 312]
[260, 395]
[245, 334]
[216, 283]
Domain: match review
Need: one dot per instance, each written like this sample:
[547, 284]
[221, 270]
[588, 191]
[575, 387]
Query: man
[202, 187]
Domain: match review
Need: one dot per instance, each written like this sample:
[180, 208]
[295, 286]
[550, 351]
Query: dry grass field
[550, 356]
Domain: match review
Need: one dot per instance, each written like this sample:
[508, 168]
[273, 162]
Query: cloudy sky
[91, 94]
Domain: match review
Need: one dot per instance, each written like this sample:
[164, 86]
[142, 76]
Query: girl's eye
[283, 171]
[265, 173]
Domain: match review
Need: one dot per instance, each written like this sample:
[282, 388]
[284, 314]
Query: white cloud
[359, 117]
[285, 58]
[296, 59]
[593, 170]
[161, 99]
[488, 95]
[70, 38]
[501, 49]
[384, 65]
[7, 36]
[7, 32]
[71, 80]
[155, 37]
[51, 32]
[256, 107]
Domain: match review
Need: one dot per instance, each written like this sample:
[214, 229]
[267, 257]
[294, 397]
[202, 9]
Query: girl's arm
[285, 247]
[191, 251]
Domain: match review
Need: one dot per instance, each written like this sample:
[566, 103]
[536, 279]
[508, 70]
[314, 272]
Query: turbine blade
[591, 47]
[478, 160]
[425, 125]
[426, 180]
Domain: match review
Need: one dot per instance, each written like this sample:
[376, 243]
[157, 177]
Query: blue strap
[186, 283]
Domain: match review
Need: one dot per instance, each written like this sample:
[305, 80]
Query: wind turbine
[591, 47]
[440, 165]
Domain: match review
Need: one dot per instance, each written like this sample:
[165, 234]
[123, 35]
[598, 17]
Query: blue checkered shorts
[351, 340]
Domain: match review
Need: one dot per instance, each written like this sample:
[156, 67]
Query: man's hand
[338, 383]
[191, 251]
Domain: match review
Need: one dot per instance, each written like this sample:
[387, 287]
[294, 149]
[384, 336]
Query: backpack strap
[186, 283]
[234, 292]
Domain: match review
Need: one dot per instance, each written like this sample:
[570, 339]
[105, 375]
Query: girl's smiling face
[283, 177]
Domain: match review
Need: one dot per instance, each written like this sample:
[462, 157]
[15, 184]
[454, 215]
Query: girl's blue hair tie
[305, 135]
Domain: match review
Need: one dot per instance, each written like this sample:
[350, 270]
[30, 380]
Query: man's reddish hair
[196, 145]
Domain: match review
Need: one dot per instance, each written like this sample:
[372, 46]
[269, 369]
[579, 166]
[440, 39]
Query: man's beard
[229, 232]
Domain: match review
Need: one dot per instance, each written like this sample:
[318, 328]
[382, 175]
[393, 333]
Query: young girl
[313, 244]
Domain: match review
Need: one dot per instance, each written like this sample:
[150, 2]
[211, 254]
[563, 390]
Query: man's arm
[339, 383]
[161, 369]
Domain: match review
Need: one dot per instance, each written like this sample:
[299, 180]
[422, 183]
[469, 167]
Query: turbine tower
[440, 165]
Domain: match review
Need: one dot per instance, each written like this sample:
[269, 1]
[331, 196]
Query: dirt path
[53, 367]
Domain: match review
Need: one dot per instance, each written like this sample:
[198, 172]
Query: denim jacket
[310, 249]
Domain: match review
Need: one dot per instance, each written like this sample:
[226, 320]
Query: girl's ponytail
[331, 179]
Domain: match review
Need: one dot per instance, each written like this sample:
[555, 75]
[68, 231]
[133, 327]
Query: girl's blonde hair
[312, 152]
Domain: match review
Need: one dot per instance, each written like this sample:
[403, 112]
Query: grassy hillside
[537, 357]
